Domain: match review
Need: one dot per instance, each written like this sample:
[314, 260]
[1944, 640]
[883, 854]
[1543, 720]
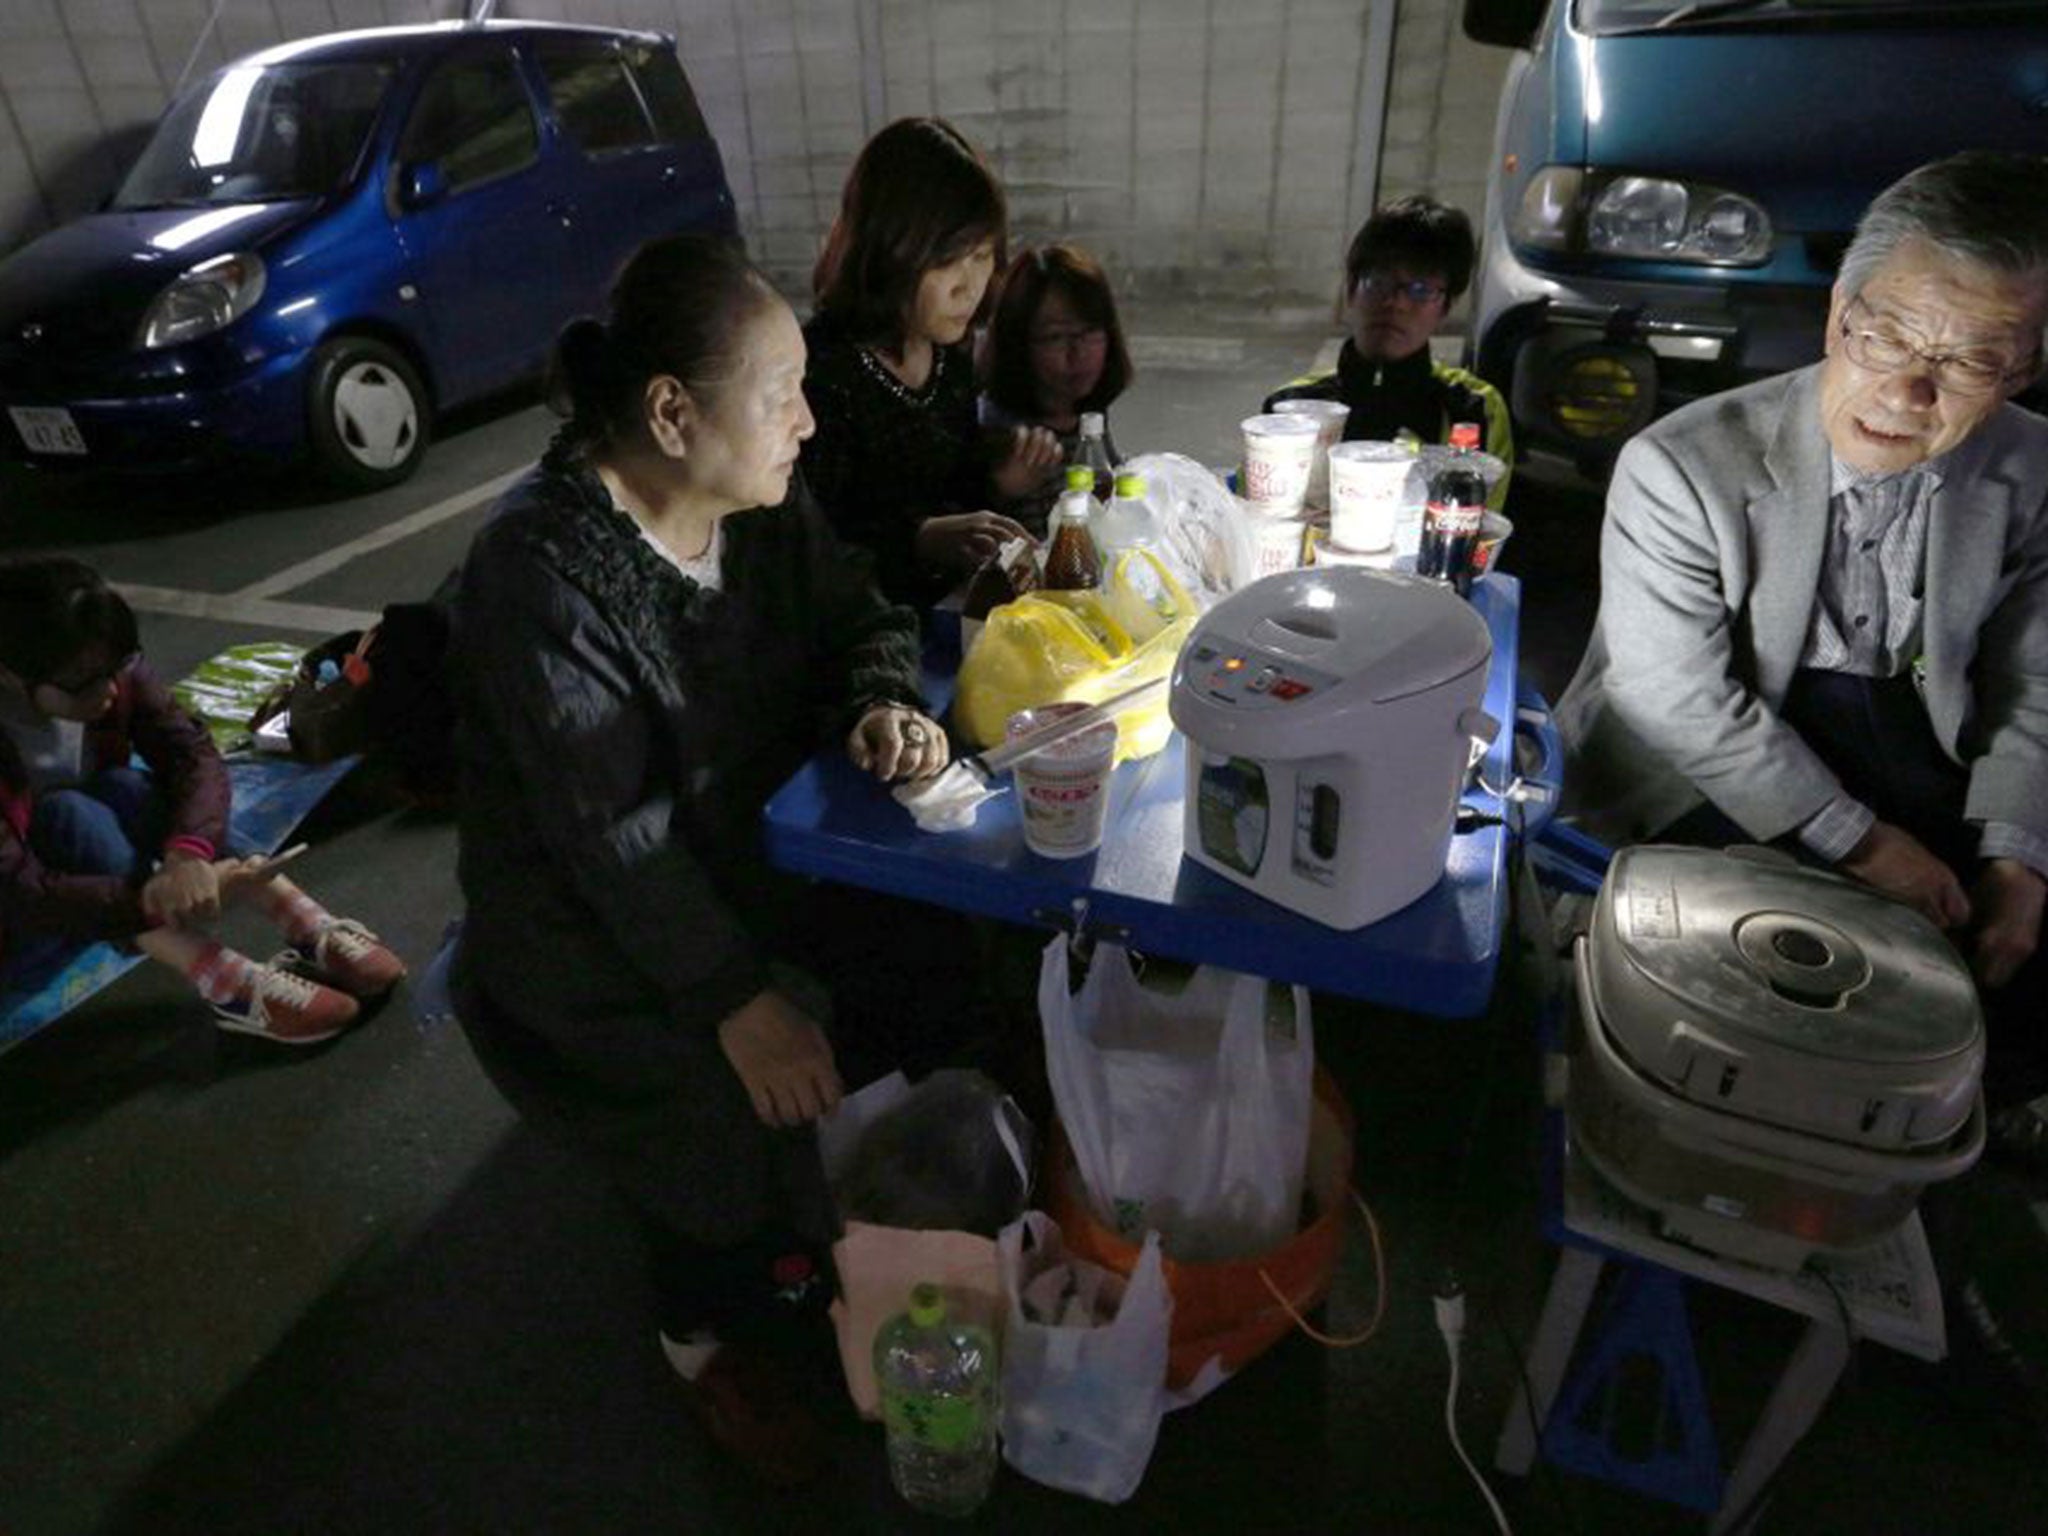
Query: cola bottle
[1452, 517]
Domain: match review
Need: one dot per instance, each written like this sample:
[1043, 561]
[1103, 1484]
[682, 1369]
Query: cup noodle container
[1329, 417]
[1493, 533]
[1368, 492]
[1278, 543]
[1279, 452]
[1063, 789]
[1323, 551]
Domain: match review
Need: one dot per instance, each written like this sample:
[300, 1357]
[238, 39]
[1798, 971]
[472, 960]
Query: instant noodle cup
[1063, 789]
[1493, 533]
[1329, 417]
[1368, 484]
[1279, 452]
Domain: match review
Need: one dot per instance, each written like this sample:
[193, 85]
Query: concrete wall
[1211, 146]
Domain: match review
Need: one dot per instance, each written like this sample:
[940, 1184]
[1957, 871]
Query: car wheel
[369, 413]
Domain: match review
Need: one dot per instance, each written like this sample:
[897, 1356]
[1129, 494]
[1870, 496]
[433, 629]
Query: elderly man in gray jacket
[1824, 606]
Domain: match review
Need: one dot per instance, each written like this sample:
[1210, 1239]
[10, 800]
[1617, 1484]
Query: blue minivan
[329, 242]
[1674, 183]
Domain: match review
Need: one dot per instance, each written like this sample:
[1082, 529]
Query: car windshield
[1606, 17]
[260, 133]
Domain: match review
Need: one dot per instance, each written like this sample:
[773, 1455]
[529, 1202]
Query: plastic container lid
[1465, 435]
[1130, 485]
[1093, 424]
[1781, 956]
[927, 1305]
[1080, 478]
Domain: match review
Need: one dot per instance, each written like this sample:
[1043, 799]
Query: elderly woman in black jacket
[656, 628]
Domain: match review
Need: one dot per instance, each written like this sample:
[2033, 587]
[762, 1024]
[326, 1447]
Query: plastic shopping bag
[1081, 647]
[1209, 546]
[878, 1263]
[1084, 1363]
[1186, 1113]
[1229, 1312]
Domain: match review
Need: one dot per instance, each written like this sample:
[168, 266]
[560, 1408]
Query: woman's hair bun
[581, 374]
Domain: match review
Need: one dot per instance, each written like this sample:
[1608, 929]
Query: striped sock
[299, 915]
[221, 974]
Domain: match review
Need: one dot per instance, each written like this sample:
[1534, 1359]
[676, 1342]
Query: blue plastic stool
[1593, 1427]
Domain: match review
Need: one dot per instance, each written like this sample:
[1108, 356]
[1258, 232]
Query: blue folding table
[1435, 956]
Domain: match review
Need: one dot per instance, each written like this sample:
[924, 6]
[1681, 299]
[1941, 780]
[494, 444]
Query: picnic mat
[272, 795]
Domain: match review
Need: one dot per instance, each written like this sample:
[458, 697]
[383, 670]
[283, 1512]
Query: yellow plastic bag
[1049, 647]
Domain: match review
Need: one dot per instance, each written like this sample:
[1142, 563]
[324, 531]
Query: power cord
[1450, 1323]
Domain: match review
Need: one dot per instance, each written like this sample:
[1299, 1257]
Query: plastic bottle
[1450, 522]
[1128, 522]
[1072, 563]
[1091, 452]
[938, 1379]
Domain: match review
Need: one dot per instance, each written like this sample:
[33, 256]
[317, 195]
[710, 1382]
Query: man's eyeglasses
[1957, 373]
[78, 687]
[1067, 339]
[1386, 285]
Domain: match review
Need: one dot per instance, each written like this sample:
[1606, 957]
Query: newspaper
[1889, 1289]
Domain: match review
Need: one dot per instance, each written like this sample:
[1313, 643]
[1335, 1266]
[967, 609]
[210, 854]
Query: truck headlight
[1646, 218]
[202, 300]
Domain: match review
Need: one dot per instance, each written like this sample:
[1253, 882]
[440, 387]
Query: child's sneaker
[347, 955]
[286, 1008]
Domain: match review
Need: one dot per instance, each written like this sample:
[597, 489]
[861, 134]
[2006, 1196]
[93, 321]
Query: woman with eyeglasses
[93, 847]
[1055, 350]
[1406, 267]
[898, 461]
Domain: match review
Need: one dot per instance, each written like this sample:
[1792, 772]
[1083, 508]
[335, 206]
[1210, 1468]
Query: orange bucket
[1229, 1310]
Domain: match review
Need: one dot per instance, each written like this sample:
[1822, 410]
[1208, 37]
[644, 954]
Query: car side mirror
[422, 183]
[1504, 23]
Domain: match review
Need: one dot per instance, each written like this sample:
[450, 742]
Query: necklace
[882, 373]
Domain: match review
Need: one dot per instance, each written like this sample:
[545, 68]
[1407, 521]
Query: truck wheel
[368, 413]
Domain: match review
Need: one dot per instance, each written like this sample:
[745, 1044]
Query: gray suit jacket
[1710, 562]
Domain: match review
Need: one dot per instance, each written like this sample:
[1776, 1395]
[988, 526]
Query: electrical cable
[1450, 1324]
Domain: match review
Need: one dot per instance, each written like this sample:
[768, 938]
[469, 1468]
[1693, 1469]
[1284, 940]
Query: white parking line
[235, 608]
[294, 576]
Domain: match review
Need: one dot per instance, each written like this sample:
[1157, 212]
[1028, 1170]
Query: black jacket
[885, 457]
[621, 728]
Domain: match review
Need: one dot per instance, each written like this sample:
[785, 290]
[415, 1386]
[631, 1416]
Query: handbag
[324, 706]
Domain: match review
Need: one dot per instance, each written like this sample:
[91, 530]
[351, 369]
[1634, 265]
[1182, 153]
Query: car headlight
[202, 300]
[1647, 218]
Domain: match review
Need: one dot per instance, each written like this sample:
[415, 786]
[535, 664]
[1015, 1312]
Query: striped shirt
[1866, 621]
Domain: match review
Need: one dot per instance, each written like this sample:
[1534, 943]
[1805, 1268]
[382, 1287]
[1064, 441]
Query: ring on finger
[914, 734]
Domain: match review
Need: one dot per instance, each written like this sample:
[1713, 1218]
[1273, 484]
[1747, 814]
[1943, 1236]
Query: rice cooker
[1331, 717]
[1773, 1058]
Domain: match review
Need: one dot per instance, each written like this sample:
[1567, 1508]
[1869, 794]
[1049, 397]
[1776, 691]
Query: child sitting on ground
[92, 847]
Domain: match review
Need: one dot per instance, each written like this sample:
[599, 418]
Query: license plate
[47, 429]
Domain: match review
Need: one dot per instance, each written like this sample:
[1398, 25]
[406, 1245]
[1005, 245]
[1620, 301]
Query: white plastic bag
[1082, 1396]
[1186, 1114]
[1204, 537]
